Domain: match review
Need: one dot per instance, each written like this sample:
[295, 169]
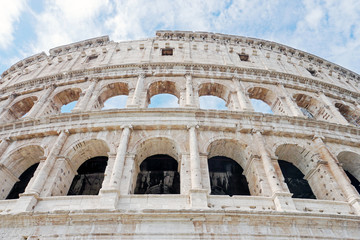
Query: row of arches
[169, 94]
[158, 169]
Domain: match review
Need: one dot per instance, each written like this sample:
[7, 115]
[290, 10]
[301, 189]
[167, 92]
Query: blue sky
[329, 29]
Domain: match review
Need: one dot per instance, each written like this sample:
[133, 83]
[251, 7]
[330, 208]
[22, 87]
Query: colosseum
[183, 171]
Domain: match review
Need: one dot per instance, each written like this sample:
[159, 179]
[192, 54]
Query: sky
[329, 29]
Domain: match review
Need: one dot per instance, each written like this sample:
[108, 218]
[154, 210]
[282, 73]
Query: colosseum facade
[179, 172]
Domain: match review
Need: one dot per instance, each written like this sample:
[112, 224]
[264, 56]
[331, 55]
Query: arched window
[226, 177]
[295, 181]
[212, 102]
[24, 179]
[90, 176]
[265, 100]
[63, 101]
[19, 109]
[113, 96]
[158, 175]
[163, 94]
[213, 96]
[309, 106]
[116, 102]
[350, 115]
[261, 106]
[164, 100]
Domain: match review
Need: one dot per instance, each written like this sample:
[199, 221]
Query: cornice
[197, 70]
[244, 122]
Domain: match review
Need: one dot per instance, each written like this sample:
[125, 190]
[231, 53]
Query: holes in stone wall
[243, 57]
[24, 178]
[158, 175]
[295, 181]
[226, 177]
[90, 176]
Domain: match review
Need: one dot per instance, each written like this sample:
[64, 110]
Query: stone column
[7, 181]
[339, 174]
[108, 171]
[7, 103]
[337, 115]
[194, 158]
[120, 158]
[198, 195]
[243, 100]
[138, 90]
[84, 100]
[292, 106]
[189, 99]
[35, 111]
[49, 163]
[282, 200]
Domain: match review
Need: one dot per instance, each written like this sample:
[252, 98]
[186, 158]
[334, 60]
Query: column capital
[257, 130]
[188, 76]
[126, 126]
[192, 125]
[66, 131]
[318, 137]
[141, 75]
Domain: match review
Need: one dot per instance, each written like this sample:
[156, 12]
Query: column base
[283, 202]
[109, 198]
[198, 198]
[355, 203]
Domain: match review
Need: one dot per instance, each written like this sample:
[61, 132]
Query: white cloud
[9, 15]
[67, 21]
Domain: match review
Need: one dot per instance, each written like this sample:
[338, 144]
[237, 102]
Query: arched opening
[116, 102]
[158, 175]
[212, 102]
[68, 107]
[164, 100]
[19, 109]
[350, 163]
[350, 115]
[261, 106]
[354, 181]
[295, 181]
[226, 177]
[89, 178]
[113, 96]
[308, 105]
[162, 94]
[64, 101]
[24, 179]
[213, 96]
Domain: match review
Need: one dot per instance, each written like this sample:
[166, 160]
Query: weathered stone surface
[296, 85]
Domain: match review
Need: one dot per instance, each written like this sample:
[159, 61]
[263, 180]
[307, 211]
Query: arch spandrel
[82, 150]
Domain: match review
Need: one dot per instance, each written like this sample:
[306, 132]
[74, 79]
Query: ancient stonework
[186, 172]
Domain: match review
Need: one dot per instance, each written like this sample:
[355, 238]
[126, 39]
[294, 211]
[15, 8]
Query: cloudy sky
[329, 29]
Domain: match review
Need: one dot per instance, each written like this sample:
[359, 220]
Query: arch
[17, 163]
[24, 179]
[226, 177]
[111, 90]
[158, 175]
[295, 181]
[62, 98]
[80, 151]
[295, 163]
[309, 106]
[160, 87]
[350, 162]
[228, 148]
[349, 114]
[89, 177]
[156, 149]
[20, 108]
[263, 94]
[164, 100]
